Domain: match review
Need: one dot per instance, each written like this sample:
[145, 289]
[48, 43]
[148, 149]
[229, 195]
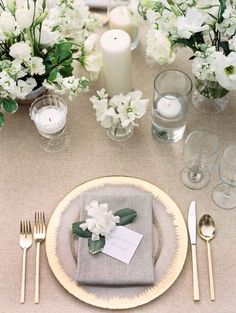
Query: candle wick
[115, 38]
[50, 119]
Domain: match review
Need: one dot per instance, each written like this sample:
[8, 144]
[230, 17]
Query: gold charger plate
[131, 297]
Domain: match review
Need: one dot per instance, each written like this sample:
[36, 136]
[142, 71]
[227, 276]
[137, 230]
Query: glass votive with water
[172, 90]
[49, 115]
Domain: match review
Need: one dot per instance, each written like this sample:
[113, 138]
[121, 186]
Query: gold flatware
[25, 243]
[192, 229]
[39, 236]
[207, 232]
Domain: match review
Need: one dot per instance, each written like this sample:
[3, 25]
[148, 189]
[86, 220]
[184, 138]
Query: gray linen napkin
[101, 269]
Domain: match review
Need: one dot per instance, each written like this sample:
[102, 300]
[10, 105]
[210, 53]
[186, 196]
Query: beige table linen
[34, 180]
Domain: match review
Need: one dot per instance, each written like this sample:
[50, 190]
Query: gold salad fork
[39, 236]
[25, 243]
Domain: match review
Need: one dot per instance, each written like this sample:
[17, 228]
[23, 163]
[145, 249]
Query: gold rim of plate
[152, 292]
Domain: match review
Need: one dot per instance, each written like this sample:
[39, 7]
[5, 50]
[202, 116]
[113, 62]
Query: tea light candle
[50, 120]
[115, 46]
[169, 106]
[120, 18]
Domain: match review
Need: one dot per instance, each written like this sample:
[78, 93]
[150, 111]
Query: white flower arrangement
[98, 227]
[39, 41]
[207, 27]
[120, 110]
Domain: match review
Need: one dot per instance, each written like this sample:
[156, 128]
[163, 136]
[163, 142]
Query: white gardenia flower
[20, 50]
[24, 16]
[7, 22]
[226, 71]
[191, 23]
[159, 47]
[102, 221]
[36, 66]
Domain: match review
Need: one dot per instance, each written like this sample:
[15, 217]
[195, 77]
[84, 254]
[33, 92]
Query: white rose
[24, 17]
[226, 71]
[7, 22]
[191, 23]
[90, 42]
[93, 64]
[20, 50]
[159, 47]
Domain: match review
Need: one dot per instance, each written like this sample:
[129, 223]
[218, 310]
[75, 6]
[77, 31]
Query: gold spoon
[207, 232]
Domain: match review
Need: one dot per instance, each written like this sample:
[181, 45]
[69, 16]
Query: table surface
[34, 180]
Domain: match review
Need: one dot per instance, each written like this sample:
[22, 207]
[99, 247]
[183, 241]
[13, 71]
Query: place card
[122, 244]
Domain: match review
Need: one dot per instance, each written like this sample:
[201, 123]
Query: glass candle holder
[49, 115]
[172, 90]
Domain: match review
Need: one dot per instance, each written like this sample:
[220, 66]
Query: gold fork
[39, 236]
[25, 243]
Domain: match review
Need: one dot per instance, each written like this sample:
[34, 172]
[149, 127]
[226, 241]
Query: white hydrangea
[101, 222]
[204, 64]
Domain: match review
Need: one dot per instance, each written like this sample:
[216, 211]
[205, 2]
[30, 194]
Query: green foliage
[79, 231]
[96, 246]
[59, 61]
[126, 216]
[9, 105]
[2, 119]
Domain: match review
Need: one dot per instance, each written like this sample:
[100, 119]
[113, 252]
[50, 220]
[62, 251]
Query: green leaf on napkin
[96, 246]
[126, 216]
[79, 231]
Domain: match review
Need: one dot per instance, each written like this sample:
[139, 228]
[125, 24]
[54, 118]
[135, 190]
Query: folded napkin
[101, 269]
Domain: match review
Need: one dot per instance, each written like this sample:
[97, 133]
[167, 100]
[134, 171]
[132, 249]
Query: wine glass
[224, 194]
[199, 154]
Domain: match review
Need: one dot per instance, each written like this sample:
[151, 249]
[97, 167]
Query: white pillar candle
[120, 18]
[115, 46]
[50, 120]
[169, 106]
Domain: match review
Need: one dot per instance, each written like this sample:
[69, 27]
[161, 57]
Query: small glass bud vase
[210, 97]
[119, 133]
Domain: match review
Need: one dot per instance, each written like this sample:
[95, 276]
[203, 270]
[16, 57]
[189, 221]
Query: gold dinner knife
[192, 228]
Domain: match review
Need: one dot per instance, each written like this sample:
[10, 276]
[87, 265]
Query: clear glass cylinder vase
[119, 133]
[210, 96]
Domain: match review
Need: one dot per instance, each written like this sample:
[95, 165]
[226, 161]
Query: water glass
[200, 153]
[224, 194]
[49, 115]
[172, 90]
